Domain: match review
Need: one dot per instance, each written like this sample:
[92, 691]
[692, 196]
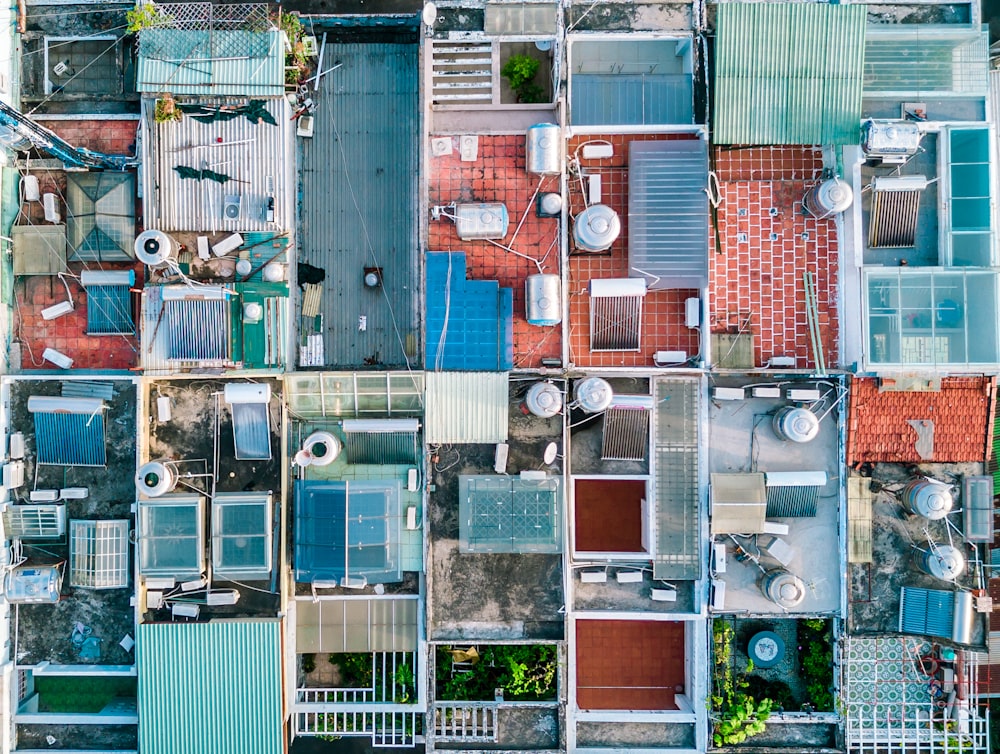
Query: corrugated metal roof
[359, 187]
[466, 407]
[377, 624]
[788, 73]
[258, 157]
[668, 213]
[163, 337]
[210, 688]
[182, 65]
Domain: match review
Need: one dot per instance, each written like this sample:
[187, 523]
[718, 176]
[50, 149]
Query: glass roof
[172, 536]
[509, 514]
[241, 535]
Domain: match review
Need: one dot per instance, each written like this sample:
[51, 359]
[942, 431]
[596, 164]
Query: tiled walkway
[767, 245]
[663, 326]
[636, 665]
[498, 175]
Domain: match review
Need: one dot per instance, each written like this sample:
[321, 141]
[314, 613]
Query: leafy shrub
[738, 714]
[525, 672]
[355, 668]
[143, 16]
[308, 663]
[816, 662]
[520, 70]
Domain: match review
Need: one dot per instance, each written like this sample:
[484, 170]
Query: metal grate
[197, 329]
[70, 439]
[35, 521]
[109, 310]
[926, 612]
[382, 447]
[251, 431]
[186, 31]
[626, 434]
[893, 222]
[99, 554]
[792, 501]
[462, 73]
[615, 323]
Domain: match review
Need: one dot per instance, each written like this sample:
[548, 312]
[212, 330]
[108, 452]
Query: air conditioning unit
[13, 475]
[231, 207]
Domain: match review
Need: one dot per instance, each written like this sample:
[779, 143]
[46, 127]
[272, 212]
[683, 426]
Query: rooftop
[491, 596]
[955, 418]
[43, 631]
[794, 485]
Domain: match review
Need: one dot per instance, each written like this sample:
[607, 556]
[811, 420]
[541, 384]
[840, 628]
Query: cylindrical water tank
[944, 562]
[592, 394]
[542, 300]
[828, 198]
[596, 228]
[928, 498]
[320, 449]
[274, 272]
[542, 150]
[544, 399]
[154, 247]
[795, 424]
[550, 205]
[107, 277]
[783, 588]
[155, 478]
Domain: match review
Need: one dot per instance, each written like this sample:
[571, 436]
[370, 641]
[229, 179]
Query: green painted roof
[210, 688]
[788, 73]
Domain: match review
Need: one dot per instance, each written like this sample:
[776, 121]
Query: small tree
[739, 715]
[144, 16]
[520, 70]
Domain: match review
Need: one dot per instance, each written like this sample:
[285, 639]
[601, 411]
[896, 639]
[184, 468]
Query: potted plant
[520, 70]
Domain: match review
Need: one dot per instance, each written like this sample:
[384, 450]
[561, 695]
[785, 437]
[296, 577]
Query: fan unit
[231, 207]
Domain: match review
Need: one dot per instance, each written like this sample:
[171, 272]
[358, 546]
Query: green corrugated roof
[788, 73]
[210, 688]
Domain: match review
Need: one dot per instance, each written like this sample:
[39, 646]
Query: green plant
[144, 16]
[356, 669]
[81, 694]
[296, 59]
[404, 685]
[308, 663]
[520, 70]
[166, 110]
[738, 714]
[816, 662]
[525, 672]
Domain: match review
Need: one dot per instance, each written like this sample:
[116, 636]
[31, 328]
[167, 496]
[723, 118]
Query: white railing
[466, 721]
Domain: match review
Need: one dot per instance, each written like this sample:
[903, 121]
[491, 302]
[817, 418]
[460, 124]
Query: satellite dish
[429, 14]
[551, 451]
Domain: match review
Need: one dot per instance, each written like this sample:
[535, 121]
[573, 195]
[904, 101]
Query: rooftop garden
[517, 673]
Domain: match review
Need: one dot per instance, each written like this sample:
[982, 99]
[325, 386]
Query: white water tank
[928, 498]
[34, 585]
[154, 247]
[320, 449]
[156, 478]
[543, 301]
[795, 424]
[596, 228]
[544, 399]
[828, 198]
[592, 395]
[944, 562]
[783, 588]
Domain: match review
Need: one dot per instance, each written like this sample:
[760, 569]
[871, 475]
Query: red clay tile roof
[962, 412]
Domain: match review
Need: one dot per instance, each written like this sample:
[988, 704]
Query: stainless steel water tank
[544, 399]
[592, 394]
[796, 424]
[596, 228]
[783, 588]
[481, 221]
[928, 498]
[543, 155]
[944, 562]
[828, 198]
[542, 300]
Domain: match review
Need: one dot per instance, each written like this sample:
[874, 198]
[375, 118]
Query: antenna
[429, 15]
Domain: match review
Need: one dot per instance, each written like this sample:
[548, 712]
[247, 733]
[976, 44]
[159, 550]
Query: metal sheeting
[228, 700]
[677, 494]
[788, 73]
[99, 554]
[739, 503]
[668, 213]
[176, 61]
[258, 157]
[251, 431]
[382, 447]
[197, 329]
[70, 439]
[466, 407]
[625, 436]
[109, 310]
[933, 61]
[387, 624]
[503, 514]
[926, 612]
[365, 149]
